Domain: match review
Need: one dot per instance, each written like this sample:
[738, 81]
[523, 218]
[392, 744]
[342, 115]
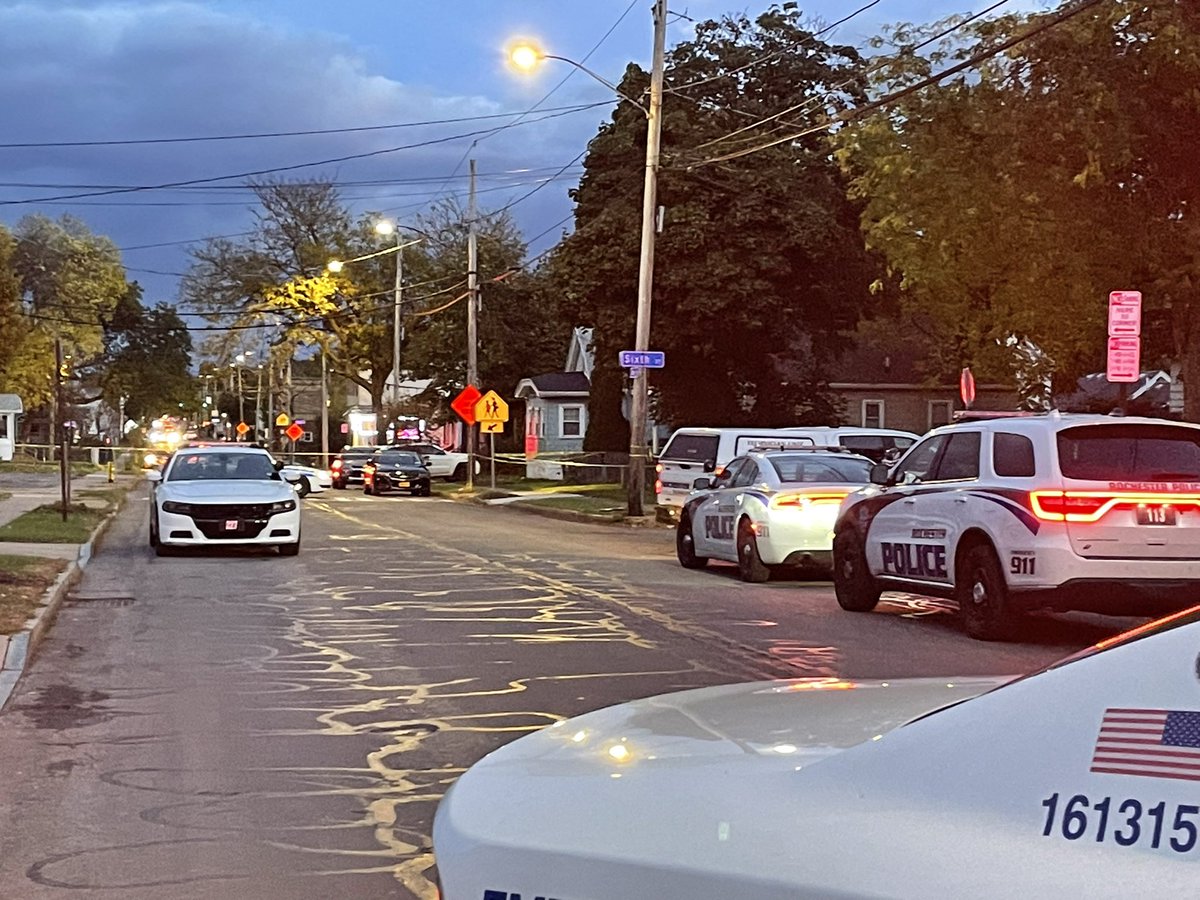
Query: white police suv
[1011, 514]
[769, 510]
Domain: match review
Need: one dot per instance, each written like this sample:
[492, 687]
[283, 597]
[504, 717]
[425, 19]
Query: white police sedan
[768, 510]
[222, 496]
[1079, 781]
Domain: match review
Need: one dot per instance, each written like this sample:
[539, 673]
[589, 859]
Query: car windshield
[400, 458]
[1130, 452]
[222, 466]
[803, 467]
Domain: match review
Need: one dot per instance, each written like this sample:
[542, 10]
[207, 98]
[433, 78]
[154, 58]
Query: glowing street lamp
[525, 56]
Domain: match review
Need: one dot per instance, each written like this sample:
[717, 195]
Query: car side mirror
[880, 473]
[425, 460]
[154, 476]
[278, 465]
[710, 465]
[703, 484]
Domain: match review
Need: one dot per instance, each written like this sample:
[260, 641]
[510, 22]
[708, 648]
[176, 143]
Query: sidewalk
[31, 491]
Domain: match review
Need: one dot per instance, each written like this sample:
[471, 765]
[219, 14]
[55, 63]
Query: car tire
[460, 472]
[161, 549]
[304, 486]
[427, 489]
[292, 549]
[853, 585]
[339, 485]
[153, 532]
[685, 545]
[750, 565]
[982, 594]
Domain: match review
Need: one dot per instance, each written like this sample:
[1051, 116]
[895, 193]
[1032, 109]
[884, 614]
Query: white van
[693, 452]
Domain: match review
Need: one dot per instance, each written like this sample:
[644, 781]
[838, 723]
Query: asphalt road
[241, 725]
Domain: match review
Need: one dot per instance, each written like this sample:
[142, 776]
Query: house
[882, 388]
[556, 402]
[10, 408]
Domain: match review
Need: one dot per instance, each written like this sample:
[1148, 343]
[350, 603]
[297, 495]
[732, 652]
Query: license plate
[1157, 515]
[231, 524]
[402, 484]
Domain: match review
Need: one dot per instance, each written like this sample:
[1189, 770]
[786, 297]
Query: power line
[27, 145]
[811, 101]
[860, 112]
[277, 169]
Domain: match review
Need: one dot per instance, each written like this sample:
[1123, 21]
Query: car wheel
[855, 589]
[982, 594]
[339, 485]
[304, 486]
[427, 490]
[685, 545]
[161, 549]
[153, 530]
[750, 564]
[292, 549]
[460, 472]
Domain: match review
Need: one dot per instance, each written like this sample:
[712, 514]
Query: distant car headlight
[182, 509]
[150, 459]
[283, 506]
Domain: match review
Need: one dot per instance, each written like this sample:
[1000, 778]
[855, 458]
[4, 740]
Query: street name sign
[1124, 359]
[1125, 314]
[642, 359]
[491, 408]
[464, 403]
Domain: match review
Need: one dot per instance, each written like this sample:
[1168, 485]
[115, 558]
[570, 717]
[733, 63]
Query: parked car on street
[396, 470]
[347, 467]
[449, 465]
[768, 511]
[221, 496]
[307, 479]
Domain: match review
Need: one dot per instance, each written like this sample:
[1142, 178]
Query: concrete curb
[568, 515]
[19, 649]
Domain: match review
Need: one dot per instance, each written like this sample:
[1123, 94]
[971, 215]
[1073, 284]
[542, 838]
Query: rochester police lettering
[505, 895]
[915, 560]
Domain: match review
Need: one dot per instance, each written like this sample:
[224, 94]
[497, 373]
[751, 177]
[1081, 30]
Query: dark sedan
[347, 466]
[396, 470]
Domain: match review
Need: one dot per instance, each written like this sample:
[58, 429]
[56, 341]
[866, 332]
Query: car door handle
[960, 499]
[909, 501]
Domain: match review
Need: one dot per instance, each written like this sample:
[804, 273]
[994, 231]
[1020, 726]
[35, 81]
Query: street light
[385, 227]
[525, 55]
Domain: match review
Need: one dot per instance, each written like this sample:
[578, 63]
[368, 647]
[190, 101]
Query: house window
[939, 412]
[571, 422]
[872, 413]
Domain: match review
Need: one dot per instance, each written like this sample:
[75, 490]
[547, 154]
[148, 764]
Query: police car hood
[240, 490]
[719, 752]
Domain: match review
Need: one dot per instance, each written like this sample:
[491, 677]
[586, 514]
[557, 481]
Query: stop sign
[966, 387]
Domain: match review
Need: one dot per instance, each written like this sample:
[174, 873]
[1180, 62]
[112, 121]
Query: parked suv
[1010, 514]
[447, 464]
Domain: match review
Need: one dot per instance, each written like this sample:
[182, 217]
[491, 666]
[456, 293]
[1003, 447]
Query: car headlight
[182, 509]
[283, 506]
[150, 459]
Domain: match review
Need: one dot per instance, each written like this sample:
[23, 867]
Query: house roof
[555, 384]
[11, 403]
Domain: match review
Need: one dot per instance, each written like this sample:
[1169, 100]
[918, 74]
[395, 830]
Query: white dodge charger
[218, 496]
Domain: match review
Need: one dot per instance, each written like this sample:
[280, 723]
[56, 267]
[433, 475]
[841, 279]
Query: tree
[760, 266]
[148, 358]
[1012, 199]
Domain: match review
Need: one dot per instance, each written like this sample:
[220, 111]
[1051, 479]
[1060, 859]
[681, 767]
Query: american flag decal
[1159, 743]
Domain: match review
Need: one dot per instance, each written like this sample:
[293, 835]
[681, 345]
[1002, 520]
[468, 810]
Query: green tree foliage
[148, 358]
[1011, 199]
[760, 265]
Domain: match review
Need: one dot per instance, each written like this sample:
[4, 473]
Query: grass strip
[44, 525]
[23, 582]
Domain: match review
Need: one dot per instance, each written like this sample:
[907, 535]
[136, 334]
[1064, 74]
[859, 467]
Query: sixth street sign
[642, 359]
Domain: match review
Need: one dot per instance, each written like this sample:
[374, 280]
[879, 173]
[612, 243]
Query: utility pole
[472, 323]
[324, 411]
[64, 466]
[639, 400]
[397, 328]
[290, 411]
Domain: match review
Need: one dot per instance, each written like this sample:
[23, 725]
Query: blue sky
[102, 71]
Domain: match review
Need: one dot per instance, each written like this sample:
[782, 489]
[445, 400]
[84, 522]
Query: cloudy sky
[156, 70]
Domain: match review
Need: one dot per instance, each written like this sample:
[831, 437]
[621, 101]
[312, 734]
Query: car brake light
[1091, 506]
[657, 486]
[337, 464]
[802, 499]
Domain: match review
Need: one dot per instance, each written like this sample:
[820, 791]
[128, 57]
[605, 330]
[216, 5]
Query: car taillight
[1091, 506]
[657, 486]
[802, 499]
[337, 464]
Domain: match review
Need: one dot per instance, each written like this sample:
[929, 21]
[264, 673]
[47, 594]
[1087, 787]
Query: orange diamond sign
[464, 403]
[295, 432]
[242, 428]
